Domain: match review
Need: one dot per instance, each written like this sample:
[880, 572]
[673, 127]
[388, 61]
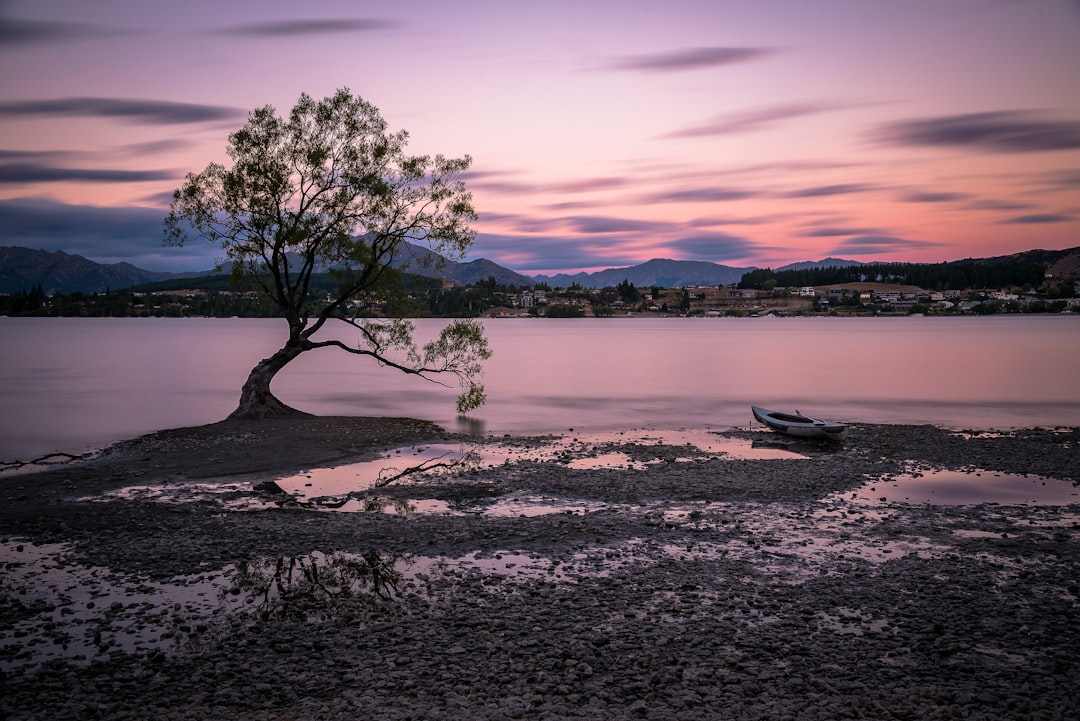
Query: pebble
[758, 602]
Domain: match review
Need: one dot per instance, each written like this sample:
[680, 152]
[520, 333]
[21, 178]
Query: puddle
[610, 460]
[63, 610]
[67, 610]
[60, 609]
[349, 487]
[792, 542]
[973, 487]
[398, 464]
[330, 488]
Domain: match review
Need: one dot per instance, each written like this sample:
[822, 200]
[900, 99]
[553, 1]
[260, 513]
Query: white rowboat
[796, 424]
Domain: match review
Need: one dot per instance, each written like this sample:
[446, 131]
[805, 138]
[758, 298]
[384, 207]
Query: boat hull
[800, 426]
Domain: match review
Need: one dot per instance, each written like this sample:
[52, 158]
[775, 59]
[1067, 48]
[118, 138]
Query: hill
[826, 263]
[422, 261]
[659, 271]
[60, 272]
[65, 273]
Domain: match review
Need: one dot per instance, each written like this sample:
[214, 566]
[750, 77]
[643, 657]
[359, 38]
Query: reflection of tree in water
[467, 458]
[318, 586]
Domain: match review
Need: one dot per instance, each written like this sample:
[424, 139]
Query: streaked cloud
[926, 196]
[1039, 219]
[16, 33]
[294, 28]
[1006, 131]
[697, 195]
[715, 220]
[149, 112]
[689, 59]
[838, 232]
[588, 185]
[713, 247]
[879, 244]
[820, 191]
[995, 204]
[13, 173]
[104, 234]
[751, 120]
[529, 253]
[605, 225]
[1063, 179]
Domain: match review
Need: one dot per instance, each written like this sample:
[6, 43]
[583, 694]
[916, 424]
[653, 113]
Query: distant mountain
[60, 272]
[423, 261]
[660, 272]
[827, 263]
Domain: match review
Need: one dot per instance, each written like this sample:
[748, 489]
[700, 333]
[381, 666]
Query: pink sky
[757, 132]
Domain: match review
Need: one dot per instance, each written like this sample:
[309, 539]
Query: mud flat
[912, 573]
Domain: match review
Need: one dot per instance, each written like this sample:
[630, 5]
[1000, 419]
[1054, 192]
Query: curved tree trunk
[256, 400]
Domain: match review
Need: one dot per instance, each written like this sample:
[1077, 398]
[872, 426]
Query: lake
[70, 384]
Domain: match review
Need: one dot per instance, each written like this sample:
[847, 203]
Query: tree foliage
[331, 189]
[954, 275]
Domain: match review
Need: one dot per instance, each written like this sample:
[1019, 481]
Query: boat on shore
[800, 426]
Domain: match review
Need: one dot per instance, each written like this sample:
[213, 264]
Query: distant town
[431, 298]
[1038, 281]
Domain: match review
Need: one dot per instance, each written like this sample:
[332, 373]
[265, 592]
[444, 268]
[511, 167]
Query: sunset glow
[603, 134]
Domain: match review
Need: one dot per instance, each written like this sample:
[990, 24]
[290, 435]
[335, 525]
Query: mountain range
[60, 272]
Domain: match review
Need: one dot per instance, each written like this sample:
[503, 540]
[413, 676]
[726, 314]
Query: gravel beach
[616, 577]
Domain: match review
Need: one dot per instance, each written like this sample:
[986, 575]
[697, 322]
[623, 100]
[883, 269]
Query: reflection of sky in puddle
[579, 452]
[349, 487]
[369, 474]
[955, 488]
[87, 612]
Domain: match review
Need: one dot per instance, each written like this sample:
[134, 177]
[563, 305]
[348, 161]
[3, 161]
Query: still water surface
[69, 384]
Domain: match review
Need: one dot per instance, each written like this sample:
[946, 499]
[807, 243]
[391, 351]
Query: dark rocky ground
[695, 586]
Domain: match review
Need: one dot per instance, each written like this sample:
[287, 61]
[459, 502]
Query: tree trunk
[256, 400]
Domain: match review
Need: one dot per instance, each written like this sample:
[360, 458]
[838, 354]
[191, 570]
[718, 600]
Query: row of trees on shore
[953, 275]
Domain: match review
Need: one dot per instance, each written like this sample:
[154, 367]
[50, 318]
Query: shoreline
[688, 585]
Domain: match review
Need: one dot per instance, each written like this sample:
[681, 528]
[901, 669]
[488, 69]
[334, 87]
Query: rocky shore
[615, 578]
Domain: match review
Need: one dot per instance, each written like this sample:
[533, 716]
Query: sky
[603, 133]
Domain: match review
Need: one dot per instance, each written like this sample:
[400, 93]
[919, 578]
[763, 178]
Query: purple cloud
[525, 253]
[933, 197]
[604, 225]
[153, 112]
[1007, 131]
[689, 59]
[834, 232]
[103, 234]
[991, 204]
[1064, 179]
[713, 247]
[15, 33]
[827, 190]
[702, 195]
[876, 244]
[292, 28]
[1039, 218]
[34, 173]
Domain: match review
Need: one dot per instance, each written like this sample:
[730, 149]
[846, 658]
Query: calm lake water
[69, 384]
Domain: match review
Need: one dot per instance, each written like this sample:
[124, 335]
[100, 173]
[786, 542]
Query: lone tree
[330, 190]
